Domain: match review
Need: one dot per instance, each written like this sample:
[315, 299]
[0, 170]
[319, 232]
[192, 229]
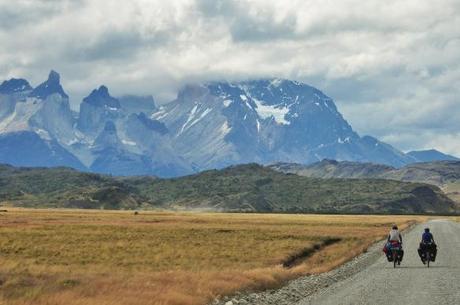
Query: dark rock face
[153, 125]
[96, 109]
[50, 86]
[101, 98]
[14, 85]
[28, 149]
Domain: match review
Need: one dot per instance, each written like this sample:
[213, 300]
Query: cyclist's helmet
[427, 230]
[394, 227]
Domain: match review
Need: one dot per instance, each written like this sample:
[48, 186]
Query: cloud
[392, 67]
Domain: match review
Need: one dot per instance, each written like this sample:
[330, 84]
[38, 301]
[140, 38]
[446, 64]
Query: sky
[392, 67]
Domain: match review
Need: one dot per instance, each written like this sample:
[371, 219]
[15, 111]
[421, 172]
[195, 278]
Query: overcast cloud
[393, 67]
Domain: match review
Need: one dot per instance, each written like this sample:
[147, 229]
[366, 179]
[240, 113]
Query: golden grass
[92, 257]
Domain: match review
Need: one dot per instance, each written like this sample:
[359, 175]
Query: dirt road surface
[412, 283]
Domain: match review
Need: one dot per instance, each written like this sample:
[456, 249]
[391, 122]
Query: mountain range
[437, 173]
[211, 125]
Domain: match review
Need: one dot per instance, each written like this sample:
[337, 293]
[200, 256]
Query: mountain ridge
[439, 173]
[431, 155]
[210, 125]
[239, 188]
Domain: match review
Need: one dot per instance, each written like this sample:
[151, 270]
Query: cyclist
[427, 243]
[394, 240]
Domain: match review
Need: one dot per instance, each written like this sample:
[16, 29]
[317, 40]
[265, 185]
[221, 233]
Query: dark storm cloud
[109, 45]
[22, 13]
[246, 25]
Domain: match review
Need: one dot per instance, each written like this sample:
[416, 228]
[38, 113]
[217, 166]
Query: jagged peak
[103, 90]
[54, 77]
[101, 97]
[14, 85]
[50, 86]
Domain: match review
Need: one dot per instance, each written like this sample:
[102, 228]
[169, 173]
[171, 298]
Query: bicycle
[429, 254]
[395, 254]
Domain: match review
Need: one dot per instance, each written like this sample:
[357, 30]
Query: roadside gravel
[303, 287]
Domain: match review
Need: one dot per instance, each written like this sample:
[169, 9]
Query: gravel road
[412, 283]
[370, 279]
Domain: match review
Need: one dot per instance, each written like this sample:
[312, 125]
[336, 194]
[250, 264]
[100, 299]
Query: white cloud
[392, 66]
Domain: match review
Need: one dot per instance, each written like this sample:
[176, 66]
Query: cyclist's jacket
[427, 237]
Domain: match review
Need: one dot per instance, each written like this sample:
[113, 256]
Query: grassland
[93, 257]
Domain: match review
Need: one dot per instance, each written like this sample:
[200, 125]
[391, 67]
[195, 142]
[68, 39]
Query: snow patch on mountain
[43, 134]
[278, 112]
[160, 114]
[276, 82]
[192, 120]
[127, 142]
[343, 141]
[111, 108]
[225, 129]
[191, 116]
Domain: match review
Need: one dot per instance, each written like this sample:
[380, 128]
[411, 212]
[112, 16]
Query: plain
[164, 258]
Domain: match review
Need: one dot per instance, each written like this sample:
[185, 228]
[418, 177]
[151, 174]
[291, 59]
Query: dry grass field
[78, 257]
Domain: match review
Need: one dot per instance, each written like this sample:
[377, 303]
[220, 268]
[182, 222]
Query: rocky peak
[50, 86]
[14, 85]
[101, 98]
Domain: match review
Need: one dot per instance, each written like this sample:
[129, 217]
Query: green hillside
[444, 174]
[244, 188]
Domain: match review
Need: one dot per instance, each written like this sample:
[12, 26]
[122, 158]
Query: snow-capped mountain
[265, 121]
[207, 126]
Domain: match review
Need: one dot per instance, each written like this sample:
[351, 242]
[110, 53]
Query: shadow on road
[423, 267]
